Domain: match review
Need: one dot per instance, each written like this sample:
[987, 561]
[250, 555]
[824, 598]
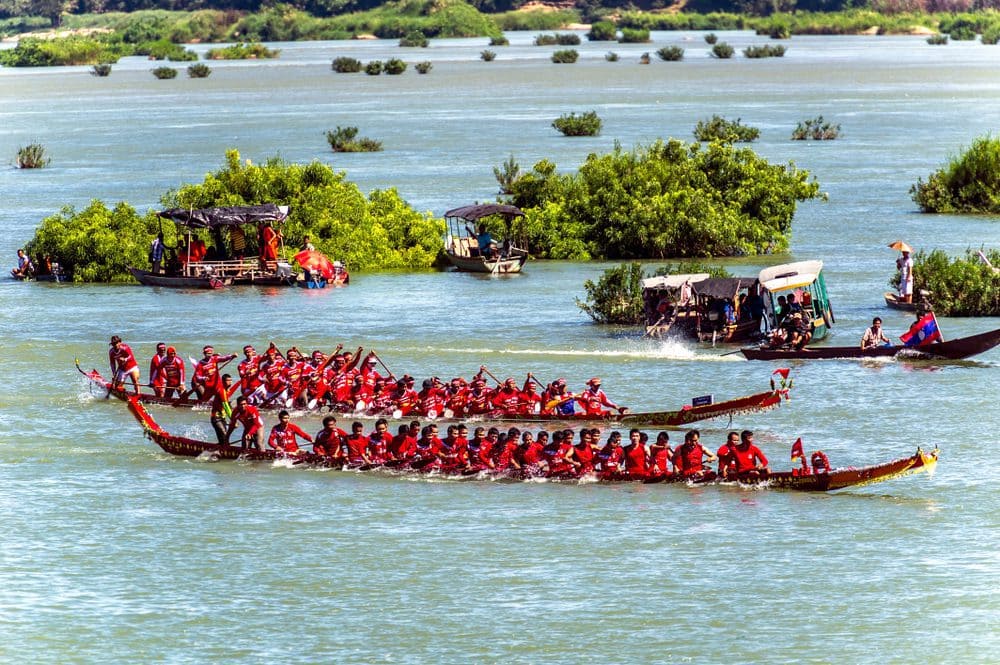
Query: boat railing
[230, 268]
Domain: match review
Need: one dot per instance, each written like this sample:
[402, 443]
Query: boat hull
[837, 479]
[479, 264]
[955, 349]
[147, 278]
[758, 402]
[892, 300]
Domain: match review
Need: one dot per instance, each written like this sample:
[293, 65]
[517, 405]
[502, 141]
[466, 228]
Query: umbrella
[310, 259]
[901, 246]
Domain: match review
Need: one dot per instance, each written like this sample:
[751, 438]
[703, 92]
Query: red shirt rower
[284, 434]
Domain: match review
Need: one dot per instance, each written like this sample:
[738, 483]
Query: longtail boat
[955, 349]
[757, 402]
[835, 479]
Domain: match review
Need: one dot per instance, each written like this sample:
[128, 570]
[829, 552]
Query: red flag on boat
[924, 331]
[783, 371]
[311, 259]
[797, 452]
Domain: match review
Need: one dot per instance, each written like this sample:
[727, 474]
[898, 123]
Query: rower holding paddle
[123, 364]
[247, 415]
[594, 399]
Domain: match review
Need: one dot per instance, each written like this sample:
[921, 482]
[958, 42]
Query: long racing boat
[700, 409]
[803, 480]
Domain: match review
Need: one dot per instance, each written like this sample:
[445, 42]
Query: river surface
[113, 551]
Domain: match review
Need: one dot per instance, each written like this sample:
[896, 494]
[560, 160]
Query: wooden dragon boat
[757, 402]
[955, 349]
[835, 479]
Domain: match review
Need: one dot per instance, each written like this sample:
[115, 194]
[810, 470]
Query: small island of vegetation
[970, 183]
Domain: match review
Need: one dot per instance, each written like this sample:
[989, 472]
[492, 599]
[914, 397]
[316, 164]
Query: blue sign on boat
[703, 400]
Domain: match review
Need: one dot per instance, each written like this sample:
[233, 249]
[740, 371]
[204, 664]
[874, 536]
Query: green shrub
[962, 34]
[585, 124]
[534, 21]
[344, 139]
[199, 70]
[964, 286]
[634, 36]
[165, 73]
[166, 50]
[507, 174]
[242, 51]
[711, 38]
[816, 129]
[499, 41]
[671, 53]
[970, 183]
[565, 39]
[394, 66]
[345, 65]
[373, 68]
[102, 69]
[667, 199]
[765, 51]
[74, 50]
[414, 39]
[611, 56]
[937, 40]
[423, 67]
[616, 297]
[32, 156]
[991, 35]
[779, 29]
[602, 31]
[487, 55]
[377, 232]
[565, 56]
[720, 129]
[722, 51]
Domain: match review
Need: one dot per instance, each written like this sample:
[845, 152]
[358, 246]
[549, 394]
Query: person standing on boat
[123, 364]
[156, 249]
[221, 411]
[284, 434]
[247, 415]
[205, 372]
[270, 240]
[169, 376]
[874, 336]
[905, 265]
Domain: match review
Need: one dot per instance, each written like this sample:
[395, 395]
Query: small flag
[924, 331]
[783, 371]
[797, 452]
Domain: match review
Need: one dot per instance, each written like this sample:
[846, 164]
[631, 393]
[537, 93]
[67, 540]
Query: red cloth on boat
[311, 259]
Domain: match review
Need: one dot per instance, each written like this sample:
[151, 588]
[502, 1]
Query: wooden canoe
[758, 402]
[955, 349]
[833, 480]
[892, 300]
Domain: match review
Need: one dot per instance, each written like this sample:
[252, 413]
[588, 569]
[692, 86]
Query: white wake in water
[669, 349]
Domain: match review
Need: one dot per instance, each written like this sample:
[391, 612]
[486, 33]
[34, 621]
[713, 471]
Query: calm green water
[114, 552]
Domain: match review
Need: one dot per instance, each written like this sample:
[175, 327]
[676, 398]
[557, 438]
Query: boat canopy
[213, 218]
[790, 275]
[723, 287]
[672, 281]
[473, 213]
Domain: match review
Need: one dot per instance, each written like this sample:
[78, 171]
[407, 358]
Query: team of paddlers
[347, 382]
[563, 454]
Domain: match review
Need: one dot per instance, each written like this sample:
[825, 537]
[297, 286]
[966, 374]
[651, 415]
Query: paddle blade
[397, 413]
[432, 414]
[312, 403]
[360, 406]
[448, 413]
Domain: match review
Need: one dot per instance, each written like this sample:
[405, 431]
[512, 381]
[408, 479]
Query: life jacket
[690, 458]
[820, 462]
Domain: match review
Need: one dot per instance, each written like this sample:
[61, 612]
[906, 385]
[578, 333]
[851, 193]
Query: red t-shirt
[635, 460]
[283, 437]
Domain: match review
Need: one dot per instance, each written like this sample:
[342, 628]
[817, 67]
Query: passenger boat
[706, 308]
[462, 243]
[799, 480]
[702, 408]
[736, 309]
[955, 349]
[190, 270]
